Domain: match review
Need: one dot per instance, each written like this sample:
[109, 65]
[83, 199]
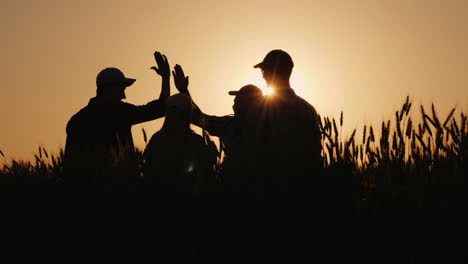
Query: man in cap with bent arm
[101, 131]
[230, 207]
[100, 165]
[229, 127]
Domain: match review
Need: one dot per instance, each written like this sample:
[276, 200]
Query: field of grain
[396, 194]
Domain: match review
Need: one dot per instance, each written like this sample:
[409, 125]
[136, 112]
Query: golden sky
[362, 57]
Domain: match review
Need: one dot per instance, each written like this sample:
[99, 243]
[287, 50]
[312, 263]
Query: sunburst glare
[255, 77]
[268, 91]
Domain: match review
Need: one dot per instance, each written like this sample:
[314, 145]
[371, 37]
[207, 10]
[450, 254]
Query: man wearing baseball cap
[235, 185]
[99, 148]
[229, 127]
[290, 124]
[284, 148]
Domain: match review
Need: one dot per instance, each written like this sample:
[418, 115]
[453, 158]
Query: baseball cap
[112, 76]
[249, 89]
[276, 59]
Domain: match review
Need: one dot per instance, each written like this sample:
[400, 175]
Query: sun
[267, 91]
[255, 77]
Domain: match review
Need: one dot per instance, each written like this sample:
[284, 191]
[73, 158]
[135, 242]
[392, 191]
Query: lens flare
[267, 91]
[190, 168]
[255, 77]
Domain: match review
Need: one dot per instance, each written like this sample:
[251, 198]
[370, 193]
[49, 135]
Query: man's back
[286, 129]
[179, 165]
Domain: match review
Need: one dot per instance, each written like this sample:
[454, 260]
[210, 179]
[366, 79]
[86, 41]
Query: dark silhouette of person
[229, 127]
[286, 123]
[232, 229]
[175, 155]
[179, 173]
[100, 162]
[224, 233]
[282, 156]
[236, 186]
[99, 135]
[177, 141]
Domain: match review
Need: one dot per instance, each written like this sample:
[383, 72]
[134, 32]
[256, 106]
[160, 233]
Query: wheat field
[396, 194]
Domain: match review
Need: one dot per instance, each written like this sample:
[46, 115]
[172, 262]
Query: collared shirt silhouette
[229, 127]
[104, 128]
[179, 174]
[285, 126]
[281, 156]
[281, 140]
[176, 158]
[99, 135]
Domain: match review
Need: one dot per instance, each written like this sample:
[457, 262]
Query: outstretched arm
[198, 117]
[215, 125]
[163, 71]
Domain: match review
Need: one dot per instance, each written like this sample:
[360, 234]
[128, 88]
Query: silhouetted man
[176, 159]
[229, 127]
[283, 149]
[287, 125]
[99, 135]
[283, 135]
[179, 174]
[100, 164]
[227, 219]
[237, 186]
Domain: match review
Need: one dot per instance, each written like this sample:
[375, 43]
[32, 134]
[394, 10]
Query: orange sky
[362, 57]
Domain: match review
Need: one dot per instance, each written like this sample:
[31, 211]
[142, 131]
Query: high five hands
[181, 81]
[163, 65]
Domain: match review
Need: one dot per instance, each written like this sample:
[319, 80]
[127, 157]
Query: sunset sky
[362, 57]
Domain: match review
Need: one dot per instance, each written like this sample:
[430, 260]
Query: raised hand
[181, 81]
[163, 65]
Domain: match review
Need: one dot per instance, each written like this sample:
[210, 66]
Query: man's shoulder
[305, 107]
[83, 111]
[157, 136]
[125, 106]
[195, 138]
[77, 118]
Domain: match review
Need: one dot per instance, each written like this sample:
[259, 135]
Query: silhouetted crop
[409, 168]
